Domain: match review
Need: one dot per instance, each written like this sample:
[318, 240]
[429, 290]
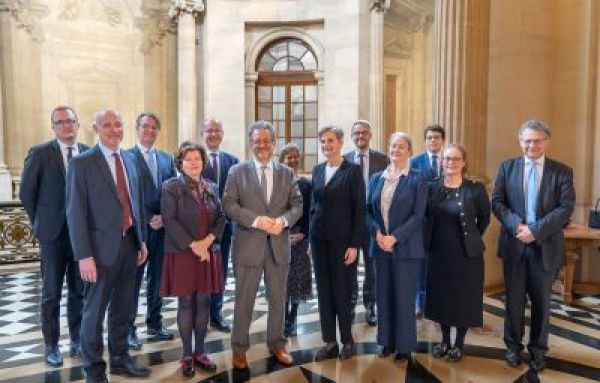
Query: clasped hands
[201, 247]
[386, 242]
[524, 234]
[272, 226]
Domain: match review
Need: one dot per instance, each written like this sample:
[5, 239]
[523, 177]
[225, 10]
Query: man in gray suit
[370, 161]
[533, 199]
[263, 201]
[105, 213]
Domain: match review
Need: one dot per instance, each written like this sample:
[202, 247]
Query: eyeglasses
[537, 142]
[64, 122]
[452, 159]
[434, 137]
[262, 142]
[150, 127]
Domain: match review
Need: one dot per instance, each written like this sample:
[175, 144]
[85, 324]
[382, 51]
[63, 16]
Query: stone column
[5, 179]
[376, 72]
[460, 81]
[185, 13]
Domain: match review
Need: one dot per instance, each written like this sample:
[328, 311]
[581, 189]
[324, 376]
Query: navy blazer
[165, 171]
[94, 211]
[406, 215]
[422, 164]
[226, 161]
[555, 204]
[42, 189]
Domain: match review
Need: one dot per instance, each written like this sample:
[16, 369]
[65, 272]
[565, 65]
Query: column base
[6, 187]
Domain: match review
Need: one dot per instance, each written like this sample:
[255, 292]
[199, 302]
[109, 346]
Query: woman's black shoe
[401, 357]
[385, 352]
[454, 354]
[187, 366]
[440, 350]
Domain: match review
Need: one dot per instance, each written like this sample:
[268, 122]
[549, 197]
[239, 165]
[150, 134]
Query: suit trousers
[56, 262]
[113, 290]
[335, 283]
[369, 283]
[156, 252]
[216, 300]
[247, 279]
[522, 278]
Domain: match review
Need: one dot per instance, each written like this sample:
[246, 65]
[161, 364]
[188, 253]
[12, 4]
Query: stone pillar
[460, 82]
[187, 80]
[376, 73]
[5, 179]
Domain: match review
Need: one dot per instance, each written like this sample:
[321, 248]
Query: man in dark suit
[42, 193]
[371, 162]
[428, 163]
[219, 164]
[105, 212]
[155, 166]
[533, 198]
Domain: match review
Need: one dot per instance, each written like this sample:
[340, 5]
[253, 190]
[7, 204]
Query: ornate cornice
[155, 24]
[380, 5]
[179, 7]
[26, 15]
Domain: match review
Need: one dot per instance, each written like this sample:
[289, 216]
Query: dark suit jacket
[556, 201]
[337, 211]
[166, 171]
[474, 215]
[42, 190]
[421, 163]
[94, 211]
[377, 160]
[226, 161]
[180, 213]
[405, 218]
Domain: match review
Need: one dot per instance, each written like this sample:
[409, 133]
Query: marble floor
[574, 345]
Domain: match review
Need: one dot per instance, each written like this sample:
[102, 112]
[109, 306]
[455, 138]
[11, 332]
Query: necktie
[151, 161]
[123, 194]
[434, 166]
[532, 193]
[69, 153]
[361, 158]
[215, 165]
[263, 184]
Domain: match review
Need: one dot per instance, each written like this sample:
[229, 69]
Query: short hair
[287, 149]
[434, 128]
[537, 125]
[403, 136]
[338, 132]
[99, 115]
[261, 124]
[207, 120]
[61, 108]
[187, 147]
[463, 153]
[140, 117]
[361, 122]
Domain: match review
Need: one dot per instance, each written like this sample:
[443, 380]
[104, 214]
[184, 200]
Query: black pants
[216, 300]
[527, 278]
[335, 283]
[156, 250]
[369, 283]
[113, 290]
[57, 261]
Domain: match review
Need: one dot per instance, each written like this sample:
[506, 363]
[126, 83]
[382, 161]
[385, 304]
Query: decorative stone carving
[155, 23]
[193, 7]
[380, 5]
[26, 15]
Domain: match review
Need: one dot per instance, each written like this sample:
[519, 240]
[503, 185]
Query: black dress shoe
[371, 316]
[96, 378]
[513, 357]
[401, 357]
[133, 342]
[454, 354]
[348, 351]
[53, 357]
[440, 350]
[537, 363]
[130, 369]
[160, 333]
[75, 350]
[290, 330]
[220, 325]
[385, 351]
[329, 351]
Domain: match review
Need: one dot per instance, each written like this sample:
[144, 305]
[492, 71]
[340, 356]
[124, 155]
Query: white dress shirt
[110, 159]
[64, 150]
[365, 170]
[268, 174]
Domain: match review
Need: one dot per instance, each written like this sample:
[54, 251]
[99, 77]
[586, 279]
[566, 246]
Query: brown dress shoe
[239, 361]
[282, 356]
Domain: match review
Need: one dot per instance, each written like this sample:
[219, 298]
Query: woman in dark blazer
[458, 213]
[337, 216]
[395, 213]
[192, 268]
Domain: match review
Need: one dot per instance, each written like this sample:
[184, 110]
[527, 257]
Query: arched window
[286, 95]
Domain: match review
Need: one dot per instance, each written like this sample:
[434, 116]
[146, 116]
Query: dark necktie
[123, 194]
[263, 184]
[69, 153]
[215, 166]
[434, 166]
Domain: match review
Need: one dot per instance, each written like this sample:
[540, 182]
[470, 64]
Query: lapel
[252, 174]
[184, 186]
[277, 179]
[337, 174]
[131, 175]
[371, 165]
[105, 170]
[377, 200]
[517, 181]
[159, 172]
[57, 157]
[319, 177]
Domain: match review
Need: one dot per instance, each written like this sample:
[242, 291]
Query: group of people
[101, 214]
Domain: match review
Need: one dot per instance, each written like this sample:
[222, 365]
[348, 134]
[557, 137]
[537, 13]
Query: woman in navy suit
[395, 213]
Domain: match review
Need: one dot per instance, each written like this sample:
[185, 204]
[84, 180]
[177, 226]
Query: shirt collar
[358, 152]
[106, 151]
[539, 161]
[64, 146]
[211, 152]
[431, 154]
[144, 149]
[387, 175]
[259, 165]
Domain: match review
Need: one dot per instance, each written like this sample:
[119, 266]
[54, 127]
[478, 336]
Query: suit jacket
[165, 171]
[405, 217]
[555, 203]
[180, 213]
[421, 163]
[94, 211]
[243, 202]
[226, 161]
[337, 211]
[42, 190]
[377, 160]
[473, 219]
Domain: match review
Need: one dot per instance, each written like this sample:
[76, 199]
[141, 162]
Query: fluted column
[376, 72]
[185, 12]
[461, 75]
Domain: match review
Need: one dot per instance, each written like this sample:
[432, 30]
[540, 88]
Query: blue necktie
[151, 161]
[532, 193]
[434, 166]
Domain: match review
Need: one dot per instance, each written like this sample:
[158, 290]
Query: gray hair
[287, 149]
[103, 112]
[537, 125]
[140, 117]
[361, 122]
[403, 136]
[261, 124]
[338, 132]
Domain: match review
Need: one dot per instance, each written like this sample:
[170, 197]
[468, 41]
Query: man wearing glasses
[533, 199]
[42, 193]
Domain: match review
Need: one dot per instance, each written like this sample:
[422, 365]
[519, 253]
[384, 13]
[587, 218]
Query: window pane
[297, 112]
[297, 49]
[310, 128]
[280, 50]
[266, 63]
[278, 111]
[279, 126]
[297, 129]
[297, 92]
[279, 145]
[295, 64]
[311, 146]
[311, 110]
[309, 62]
[310, 162]
[264, 94]
[310, 92]
[264, 112]
[279, 94]
[299, 143]
[281, 65]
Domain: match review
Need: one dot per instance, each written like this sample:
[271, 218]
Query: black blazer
[556, 201]
[42, 190]
[180, 214]
[377, 161]
[305, 189]
[337, 211]
[473, 219]
[226, 161]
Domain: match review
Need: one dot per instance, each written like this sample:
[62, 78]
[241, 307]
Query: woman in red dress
[194, 223]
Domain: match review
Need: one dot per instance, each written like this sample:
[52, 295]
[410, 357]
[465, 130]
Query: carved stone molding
[192, 7]
[155, 23]
[380, 5]
[26, 15]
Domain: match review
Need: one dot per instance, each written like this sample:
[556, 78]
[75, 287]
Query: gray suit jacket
[94, 211]
[243, 202]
